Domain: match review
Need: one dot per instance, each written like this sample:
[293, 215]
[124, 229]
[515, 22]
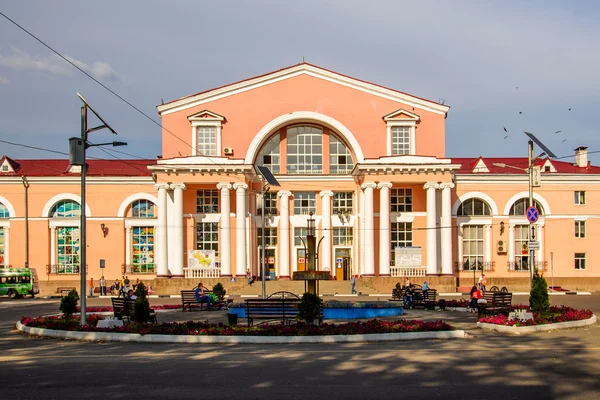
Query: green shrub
[538, 298]
[398, 286]
[219, 290]
[68, 303]
[309, 308]
[141, 306]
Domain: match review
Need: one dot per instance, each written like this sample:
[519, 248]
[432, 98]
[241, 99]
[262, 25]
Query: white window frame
[580, 228]
[206, 119]
[409, 120]
[578, 196]
[582, 265]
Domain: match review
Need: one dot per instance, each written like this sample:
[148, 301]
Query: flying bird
[557, 132]
[517, 87]
[505, 136]
[505, 130]
[520, 112]
[564, 140]
[569, 109]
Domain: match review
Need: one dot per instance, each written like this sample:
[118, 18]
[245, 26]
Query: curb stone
[524, 330]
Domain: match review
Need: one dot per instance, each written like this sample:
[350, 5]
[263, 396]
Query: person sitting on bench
[202, 297]
[408, 296]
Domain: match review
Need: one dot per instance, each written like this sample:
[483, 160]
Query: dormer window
[401, 129]
[206, 133]
[5, 168]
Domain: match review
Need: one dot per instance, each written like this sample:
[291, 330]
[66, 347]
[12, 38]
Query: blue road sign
[532, 214]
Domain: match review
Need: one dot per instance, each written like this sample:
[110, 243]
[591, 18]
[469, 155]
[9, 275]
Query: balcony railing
[61, 269]
[514, 266]
[205, 272]
[133, 269]
[485, 266]
[408, 271]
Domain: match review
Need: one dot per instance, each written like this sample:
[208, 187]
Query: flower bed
[204, 328]
[555, 315]
[110, 309]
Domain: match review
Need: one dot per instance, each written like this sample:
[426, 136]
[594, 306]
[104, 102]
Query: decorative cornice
[381, 185]
[446, 185]
[224, 185]
[242, 186]
[159, 186]
[326, 193]
[282, 193]
[368, 185]
[431, 185]
[177, 186]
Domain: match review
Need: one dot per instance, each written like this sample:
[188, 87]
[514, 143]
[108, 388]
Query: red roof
[562, 167]
[292, 66]
[48, 167]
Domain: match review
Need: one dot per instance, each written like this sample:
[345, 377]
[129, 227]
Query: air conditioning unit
[228, 151]
[501, 246]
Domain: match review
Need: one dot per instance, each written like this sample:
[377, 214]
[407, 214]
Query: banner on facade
[407, 257]
[201, 258]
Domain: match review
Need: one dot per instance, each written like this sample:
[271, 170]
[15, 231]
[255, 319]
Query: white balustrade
[408, 271]
[202, 272]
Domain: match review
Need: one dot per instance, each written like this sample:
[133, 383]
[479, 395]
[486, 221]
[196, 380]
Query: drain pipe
[26, 190]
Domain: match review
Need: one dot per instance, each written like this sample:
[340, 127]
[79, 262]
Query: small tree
[219, 290]
[538, 298]
[309, 308]
[141, 306]
[68, 303]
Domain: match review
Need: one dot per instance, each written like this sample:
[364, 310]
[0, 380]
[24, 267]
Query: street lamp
[77, 156]
[534, 180]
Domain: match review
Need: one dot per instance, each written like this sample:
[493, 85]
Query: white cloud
[3, 81]
[53, 64]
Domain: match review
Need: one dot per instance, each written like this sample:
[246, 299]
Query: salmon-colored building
[366, 162]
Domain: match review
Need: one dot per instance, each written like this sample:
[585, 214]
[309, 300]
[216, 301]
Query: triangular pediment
[547, 166]
[480, 167]
[291, 73]
[8, 165]
[206, 115]
[401, 115]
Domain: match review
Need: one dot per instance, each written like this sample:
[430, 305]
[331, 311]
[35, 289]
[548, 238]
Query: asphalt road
[557, 365]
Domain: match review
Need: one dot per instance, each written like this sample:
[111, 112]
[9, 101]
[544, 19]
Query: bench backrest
[430, 294]
[272, 306]
[191, 294]
[498, 298]
[122, 307]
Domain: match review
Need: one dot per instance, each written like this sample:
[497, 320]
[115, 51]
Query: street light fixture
[534, 180]
[77, 156]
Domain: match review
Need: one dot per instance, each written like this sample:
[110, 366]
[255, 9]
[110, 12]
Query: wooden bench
[188, 300]
[496, 302]
[280, 306]
[427, 301]
[123, 310]
[64, 289]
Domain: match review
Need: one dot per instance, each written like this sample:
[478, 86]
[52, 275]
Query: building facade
[367, 163]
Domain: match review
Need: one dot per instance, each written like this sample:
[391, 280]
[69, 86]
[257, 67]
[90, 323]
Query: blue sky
[519, 65]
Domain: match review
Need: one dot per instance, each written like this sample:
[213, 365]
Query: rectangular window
[400, 140]
[270, 237]
[343, 236]
[521, 247]
[207, 202]
[67, 250]
[401, 236]
[300, 233]
[472, 245]
[579, 229]
[340, 161]
[304, 203]
[342, 203]
[579, 197]
[305, 150]
[579, 260]
[270, 205]
[207, 236]
[207, 140]
[143, 249]
[2, 254]
[401, 200]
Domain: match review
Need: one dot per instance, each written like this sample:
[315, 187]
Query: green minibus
[17, 282]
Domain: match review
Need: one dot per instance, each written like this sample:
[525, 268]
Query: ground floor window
[521, 247]
[143, 249]
[579, 260]
[207, 236]
[472, 246]
[270, 236]
[2, 250]
[67, 242]
[343, 236]
[401, 235]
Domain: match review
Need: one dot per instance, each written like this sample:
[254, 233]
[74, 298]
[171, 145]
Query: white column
[127, 246]
[431, 227]
[488, 243]
[460, 242]
[52, 246]
[162, 264]
[240, 228]
[225, 232]
[511, 243]
[284, 233]
[369, 245]
[6, 246]
[325, 254]
[384, 228]
[178, 227]
[362, 233]
[446, 233]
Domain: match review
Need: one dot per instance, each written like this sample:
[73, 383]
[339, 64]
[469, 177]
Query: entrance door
[301, 262]
[343, 264]
[270, 266]
[347, 267]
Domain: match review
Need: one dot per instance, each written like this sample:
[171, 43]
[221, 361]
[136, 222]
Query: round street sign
[532, 214]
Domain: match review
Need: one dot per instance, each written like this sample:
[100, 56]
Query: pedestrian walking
[353, 284]
[91, 287]
[102, 286]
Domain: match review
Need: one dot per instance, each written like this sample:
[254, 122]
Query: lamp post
[77, 156]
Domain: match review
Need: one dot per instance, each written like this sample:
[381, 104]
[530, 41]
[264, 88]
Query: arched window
[270, 155]
[520, 206]
[65, 209]
[143, 209]
[474, 208]
[304, 150]
[3, 211]
[340, 160]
